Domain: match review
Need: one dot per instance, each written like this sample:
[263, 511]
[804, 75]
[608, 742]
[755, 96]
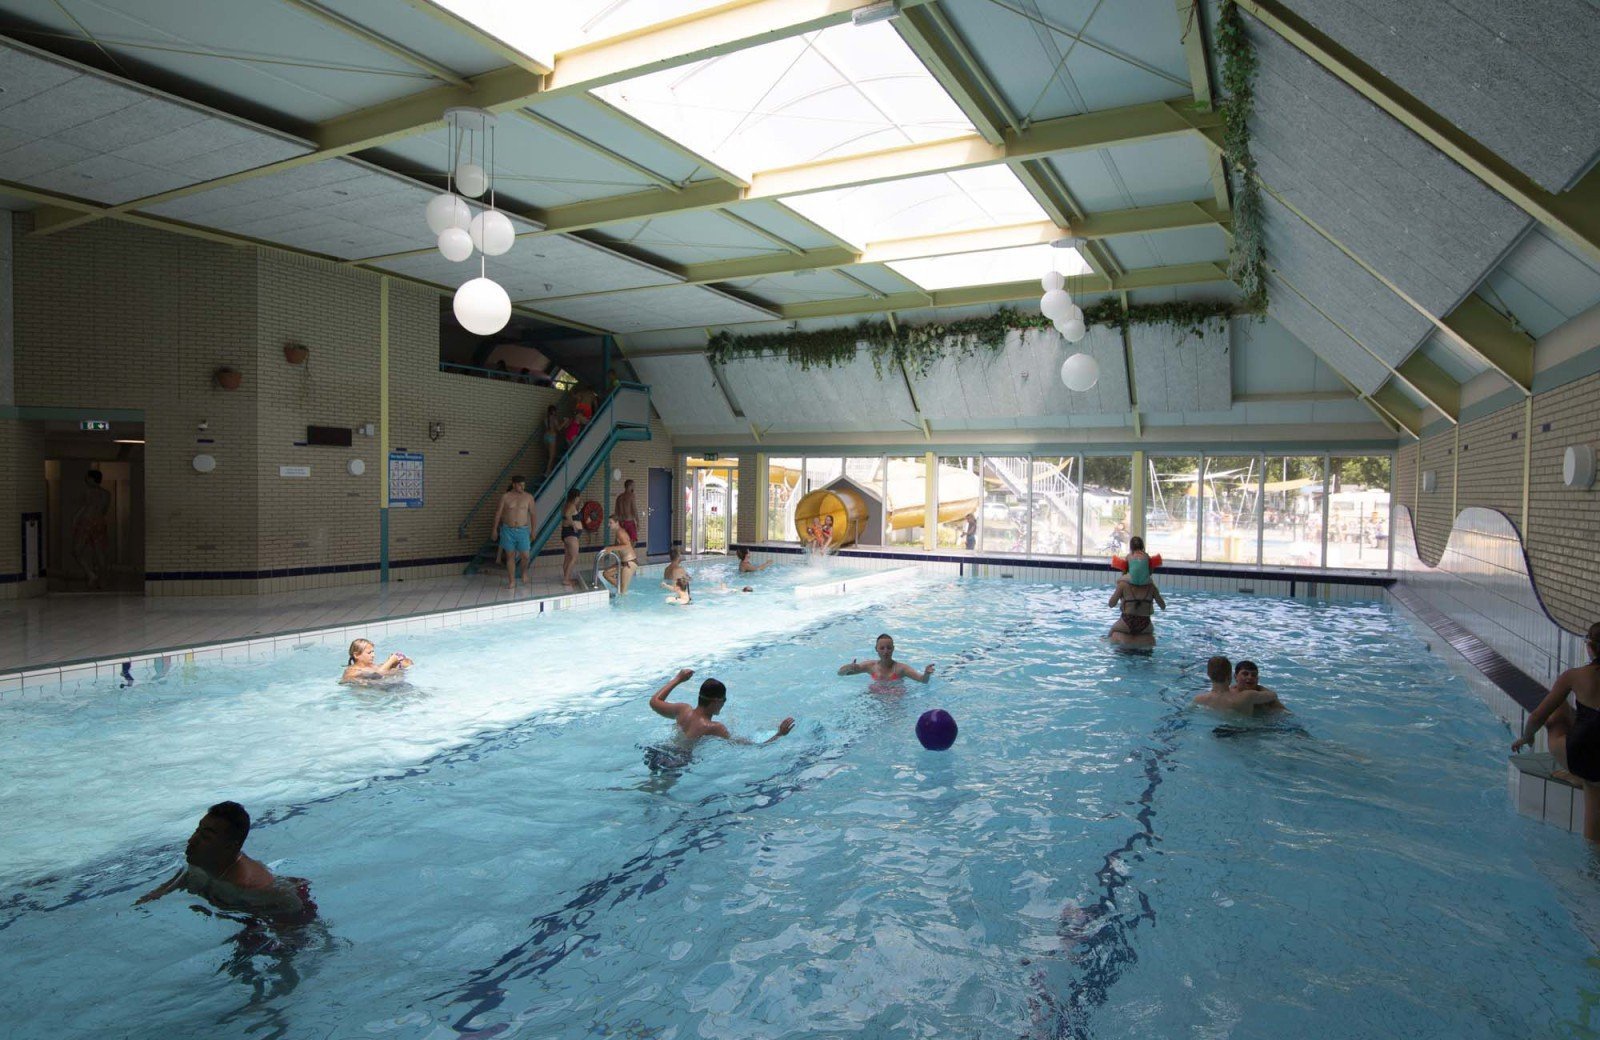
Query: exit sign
[99, 425]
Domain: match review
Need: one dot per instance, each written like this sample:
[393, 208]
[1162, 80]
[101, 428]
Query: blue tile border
[332, 568]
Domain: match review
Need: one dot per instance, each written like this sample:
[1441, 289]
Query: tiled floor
[60, 629]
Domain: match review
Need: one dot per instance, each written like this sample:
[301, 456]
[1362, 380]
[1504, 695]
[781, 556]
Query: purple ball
[936, 729]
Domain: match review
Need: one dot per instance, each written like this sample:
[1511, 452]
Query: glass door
[712, 491]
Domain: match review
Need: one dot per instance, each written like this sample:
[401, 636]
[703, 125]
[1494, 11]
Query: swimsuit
[1583, 743]
[572, 529]
[632, 528]
[516, 539]
[1137, 625]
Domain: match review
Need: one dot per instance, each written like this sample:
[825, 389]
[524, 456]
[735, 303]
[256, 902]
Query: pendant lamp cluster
[481, 305]
[1081, 371]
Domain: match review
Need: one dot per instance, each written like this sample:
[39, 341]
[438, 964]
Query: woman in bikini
[571, 532]
[621, 576]
[1583, 733]
[1138, 604]
[364, 669]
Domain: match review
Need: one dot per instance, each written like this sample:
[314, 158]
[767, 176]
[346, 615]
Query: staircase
[1049, 484]
[623, 416]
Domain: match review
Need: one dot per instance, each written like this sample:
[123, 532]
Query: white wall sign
[294, 471]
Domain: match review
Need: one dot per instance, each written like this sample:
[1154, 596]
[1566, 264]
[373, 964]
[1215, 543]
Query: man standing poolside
[513, 529]
[886, 668]
[700, 720]
[219, 872]
[627, 512]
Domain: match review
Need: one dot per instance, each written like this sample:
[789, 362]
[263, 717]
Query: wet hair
[95, 475]
[627, 483]
[712, 690]
[883, 635]
[1218, 669]
[1136, 544]
[234, 815]
[742, 552]
[674, 553]
[1242, 665]
[682, 582]
[1594, 642]
[573, 495]
[518, 479]
[356, 647]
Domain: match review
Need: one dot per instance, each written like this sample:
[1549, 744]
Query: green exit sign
[98, 425]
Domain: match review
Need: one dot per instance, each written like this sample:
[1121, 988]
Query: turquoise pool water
[493, 856]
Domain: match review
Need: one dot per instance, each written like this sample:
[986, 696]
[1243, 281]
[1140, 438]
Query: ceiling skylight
[1023, 264]
[542, 30]
[990, 196]
[840, 91]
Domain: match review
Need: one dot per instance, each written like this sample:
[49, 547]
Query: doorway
[711, 503]
[658, 511]
[94, 508]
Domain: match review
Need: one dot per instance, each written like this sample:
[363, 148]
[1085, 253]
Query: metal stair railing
[1049, 482]
[623, 416]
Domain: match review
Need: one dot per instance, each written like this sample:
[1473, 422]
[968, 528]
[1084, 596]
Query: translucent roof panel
[541, 30]
[1025, 263]
[990, 196]
[839, 91]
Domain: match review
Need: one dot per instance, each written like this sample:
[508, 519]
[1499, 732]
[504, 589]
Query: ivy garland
[919, 347]
[1247, 267]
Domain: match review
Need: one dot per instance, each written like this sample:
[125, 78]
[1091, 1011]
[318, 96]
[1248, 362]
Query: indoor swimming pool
[494, 855]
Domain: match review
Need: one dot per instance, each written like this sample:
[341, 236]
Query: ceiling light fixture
[481, 305]
[1081, 371]
[874, 13]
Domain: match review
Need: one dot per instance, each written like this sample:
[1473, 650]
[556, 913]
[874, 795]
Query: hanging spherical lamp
[471, 181]
[492, 232]
[1072, 331]
[455, 244]
[1054, 304]
[482, 307]
[1080, 372]
[447, 210]
[1052, 281]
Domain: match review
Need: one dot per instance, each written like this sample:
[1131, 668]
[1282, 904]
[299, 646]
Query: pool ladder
[599, 570]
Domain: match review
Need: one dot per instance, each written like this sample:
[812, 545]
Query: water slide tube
[960, 493]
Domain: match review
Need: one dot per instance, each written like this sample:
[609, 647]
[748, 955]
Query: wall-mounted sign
[294, 471]
[94, 425]
[405, 480]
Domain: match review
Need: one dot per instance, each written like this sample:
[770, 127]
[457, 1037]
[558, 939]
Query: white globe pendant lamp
[492, 232]
[482, 307]
[1052, 281]
[1080, 372]
[1055, 304]
[1072, 331]
[455, 244]
[471, 180]
[447, 210]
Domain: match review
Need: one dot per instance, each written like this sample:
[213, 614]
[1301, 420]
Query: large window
[1172, 505]
[1232, 508]
[1358, 512]
[960, 491]
[1005, 504]
[1292, 511]
[1107, 490]
[1053, 506]
[783, 492]
[906, 501]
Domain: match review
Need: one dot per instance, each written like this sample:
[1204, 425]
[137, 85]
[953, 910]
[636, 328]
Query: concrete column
[930, 484]
[1136, 496]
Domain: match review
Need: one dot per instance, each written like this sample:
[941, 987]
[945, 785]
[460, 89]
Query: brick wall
[751, 492]
[1405, 477]
[1435, 510]
[1563, 523]
[1489, 471]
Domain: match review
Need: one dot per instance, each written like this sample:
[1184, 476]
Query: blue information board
[405, 480]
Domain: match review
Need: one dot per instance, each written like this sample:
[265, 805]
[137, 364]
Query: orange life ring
[591, 515]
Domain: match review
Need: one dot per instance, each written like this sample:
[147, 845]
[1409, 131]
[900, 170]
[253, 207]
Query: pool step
[1537, 793]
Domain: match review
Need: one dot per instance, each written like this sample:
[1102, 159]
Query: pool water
[493, 856]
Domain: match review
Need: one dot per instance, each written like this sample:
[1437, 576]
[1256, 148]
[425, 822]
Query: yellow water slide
[960, 493]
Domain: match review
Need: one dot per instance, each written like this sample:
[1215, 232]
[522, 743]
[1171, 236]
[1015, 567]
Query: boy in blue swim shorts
[513, 529]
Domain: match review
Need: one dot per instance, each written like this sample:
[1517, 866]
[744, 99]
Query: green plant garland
[919, 347]
[1247, 266]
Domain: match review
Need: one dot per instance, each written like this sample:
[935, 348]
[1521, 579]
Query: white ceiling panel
[780, 220]
[83, 134]
[537, 268]
[798, 287]
[342, 208]
[686, 394]
[776, 394]
[1181, 370]
[667, 307]
[1021, 386]
[692, 238]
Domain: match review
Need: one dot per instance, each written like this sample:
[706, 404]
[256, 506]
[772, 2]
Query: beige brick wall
[115, 316]
[1435, 510]
[1489, 472]
[1563, 523]
[750, 494]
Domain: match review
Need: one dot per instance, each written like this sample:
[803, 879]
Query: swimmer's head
[1136, 544]
[217, 840]
[519, 482]
[359, 649]
[683, 582]
[1245, 673]
[1219, 669]
[884, 646]
[742, 552]
[1593, 639]
[675, 554]
[713, 695]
